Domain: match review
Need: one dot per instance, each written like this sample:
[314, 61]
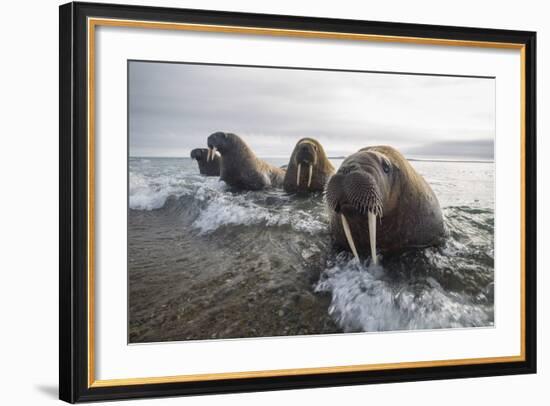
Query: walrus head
[199, 154]
[361, 192]
[220, 142]
[306, 156]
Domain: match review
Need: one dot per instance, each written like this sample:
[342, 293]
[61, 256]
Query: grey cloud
[174, 107]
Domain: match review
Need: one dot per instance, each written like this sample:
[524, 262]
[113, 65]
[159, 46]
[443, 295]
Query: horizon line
[458, 160]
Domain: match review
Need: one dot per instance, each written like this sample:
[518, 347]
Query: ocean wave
[229, 209]
[368, 298]
[219, 206]
[146, 196]
[152, 192]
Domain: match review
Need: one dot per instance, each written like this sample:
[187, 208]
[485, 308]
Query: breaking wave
[379, 298]
[219, 206]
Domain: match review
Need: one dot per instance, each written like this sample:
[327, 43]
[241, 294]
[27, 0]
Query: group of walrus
[374, 187]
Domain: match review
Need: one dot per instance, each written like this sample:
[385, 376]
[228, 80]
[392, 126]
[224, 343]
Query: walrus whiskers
[310, 175]
[349, 237]
[372, 236]
[298, 175]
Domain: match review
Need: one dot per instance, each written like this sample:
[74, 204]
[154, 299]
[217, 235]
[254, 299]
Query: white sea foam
[142, 196]
[151, 192]
[228, 209]
[362, 300]
[223, 211]
[218, 206]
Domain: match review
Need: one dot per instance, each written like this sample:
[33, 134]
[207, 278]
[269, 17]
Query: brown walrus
[239, 166]
[207, 166]
[309, 168]
[378, 185]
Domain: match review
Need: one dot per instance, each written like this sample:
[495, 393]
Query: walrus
[309, 168]
[207, 166]
[378, 185]
[239, 166]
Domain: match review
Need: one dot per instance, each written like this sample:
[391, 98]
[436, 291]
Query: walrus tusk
[211, 153]
[310, 175]
[208, 154]
[298, 175]
[372, 236]
[349, 237]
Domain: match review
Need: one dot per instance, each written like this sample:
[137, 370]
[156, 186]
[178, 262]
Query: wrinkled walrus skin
[376, 189]
[308, 169]
[206, 167]
[239, 166]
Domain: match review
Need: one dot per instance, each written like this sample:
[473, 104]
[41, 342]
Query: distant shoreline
[475, 161]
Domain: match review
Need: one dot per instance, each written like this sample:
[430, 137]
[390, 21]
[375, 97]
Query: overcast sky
[174, 107]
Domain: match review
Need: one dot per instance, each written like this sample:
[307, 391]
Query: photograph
[272, 201]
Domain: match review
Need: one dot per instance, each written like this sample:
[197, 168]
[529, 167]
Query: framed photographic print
[255, 202]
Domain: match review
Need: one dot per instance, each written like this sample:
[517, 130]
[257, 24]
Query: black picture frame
[74, 385]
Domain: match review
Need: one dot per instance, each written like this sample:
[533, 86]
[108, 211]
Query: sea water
[206, 261]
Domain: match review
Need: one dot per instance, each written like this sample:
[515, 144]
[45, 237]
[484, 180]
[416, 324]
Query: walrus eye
[385, 166]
